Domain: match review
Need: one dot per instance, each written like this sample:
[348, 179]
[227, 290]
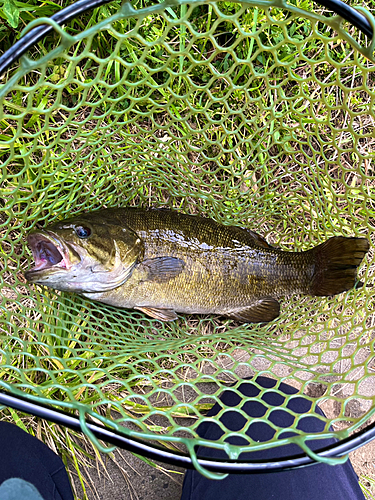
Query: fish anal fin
[162, 269]
[261, 311]
[161, 314]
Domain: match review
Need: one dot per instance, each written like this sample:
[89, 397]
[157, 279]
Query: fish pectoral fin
[262, 310]
[161, 314]
[162, 269]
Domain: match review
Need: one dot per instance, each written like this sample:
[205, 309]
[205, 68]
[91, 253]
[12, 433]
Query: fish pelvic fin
[335, 265]
[160, 314]
[260, 311]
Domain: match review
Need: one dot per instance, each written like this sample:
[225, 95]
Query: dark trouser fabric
[24, 456]
[317, 482]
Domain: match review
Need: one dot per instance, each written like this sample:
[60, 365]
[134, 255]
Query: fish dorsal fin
[162, 269]
[161, 314]
[258, 240]
[262, 310]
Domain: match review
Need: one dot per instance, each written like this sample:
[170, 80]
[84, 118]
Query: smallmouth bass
[163, 262]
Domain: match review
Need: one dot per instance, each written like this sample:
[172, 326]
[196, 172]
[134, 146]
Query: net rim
[67, 14]
[153, 452]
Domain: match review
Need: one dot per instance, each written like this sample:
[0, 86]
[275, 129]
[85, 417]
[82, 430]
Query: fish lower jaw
[44, 264]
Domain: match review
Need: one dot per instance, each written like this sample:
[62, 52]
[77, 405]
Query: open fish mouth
[48, 253]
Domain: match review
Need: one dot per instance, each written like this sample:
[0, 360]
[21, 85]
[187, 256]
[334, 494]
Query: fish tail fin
[336, 262]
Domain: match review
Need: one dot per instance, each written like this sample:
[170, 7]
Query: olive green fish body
[180, 263]
[224, 269]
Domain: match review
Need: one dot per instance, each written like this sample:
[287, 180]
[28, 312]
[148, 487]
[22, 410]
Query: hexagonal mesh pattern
[253, 116]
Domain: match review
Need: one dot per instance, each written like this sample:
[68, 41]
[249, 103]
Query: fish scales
[224, 269]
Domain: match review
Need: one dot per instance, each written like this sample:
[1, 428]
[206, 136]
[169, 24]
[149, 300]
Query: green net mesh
[258, 115]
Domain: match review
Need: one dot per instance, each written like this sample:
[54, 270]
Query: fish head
[83, 255]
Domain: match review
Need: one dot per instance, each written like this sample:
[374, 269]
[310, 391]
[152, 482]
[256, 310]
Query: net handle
[68, 13]
[153, 452]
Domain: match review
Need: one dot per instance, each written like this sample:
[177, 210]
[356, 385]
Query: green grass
[367, 484]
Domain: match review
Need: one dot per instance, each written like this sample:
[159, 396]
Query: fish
[163, 262]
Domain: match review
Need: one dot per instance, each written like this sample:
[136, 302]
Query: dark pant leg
[317, 482]
[26, 457]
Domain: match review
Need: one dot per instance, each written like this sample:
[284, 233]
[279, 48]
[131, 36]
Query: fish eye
[82, 231]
